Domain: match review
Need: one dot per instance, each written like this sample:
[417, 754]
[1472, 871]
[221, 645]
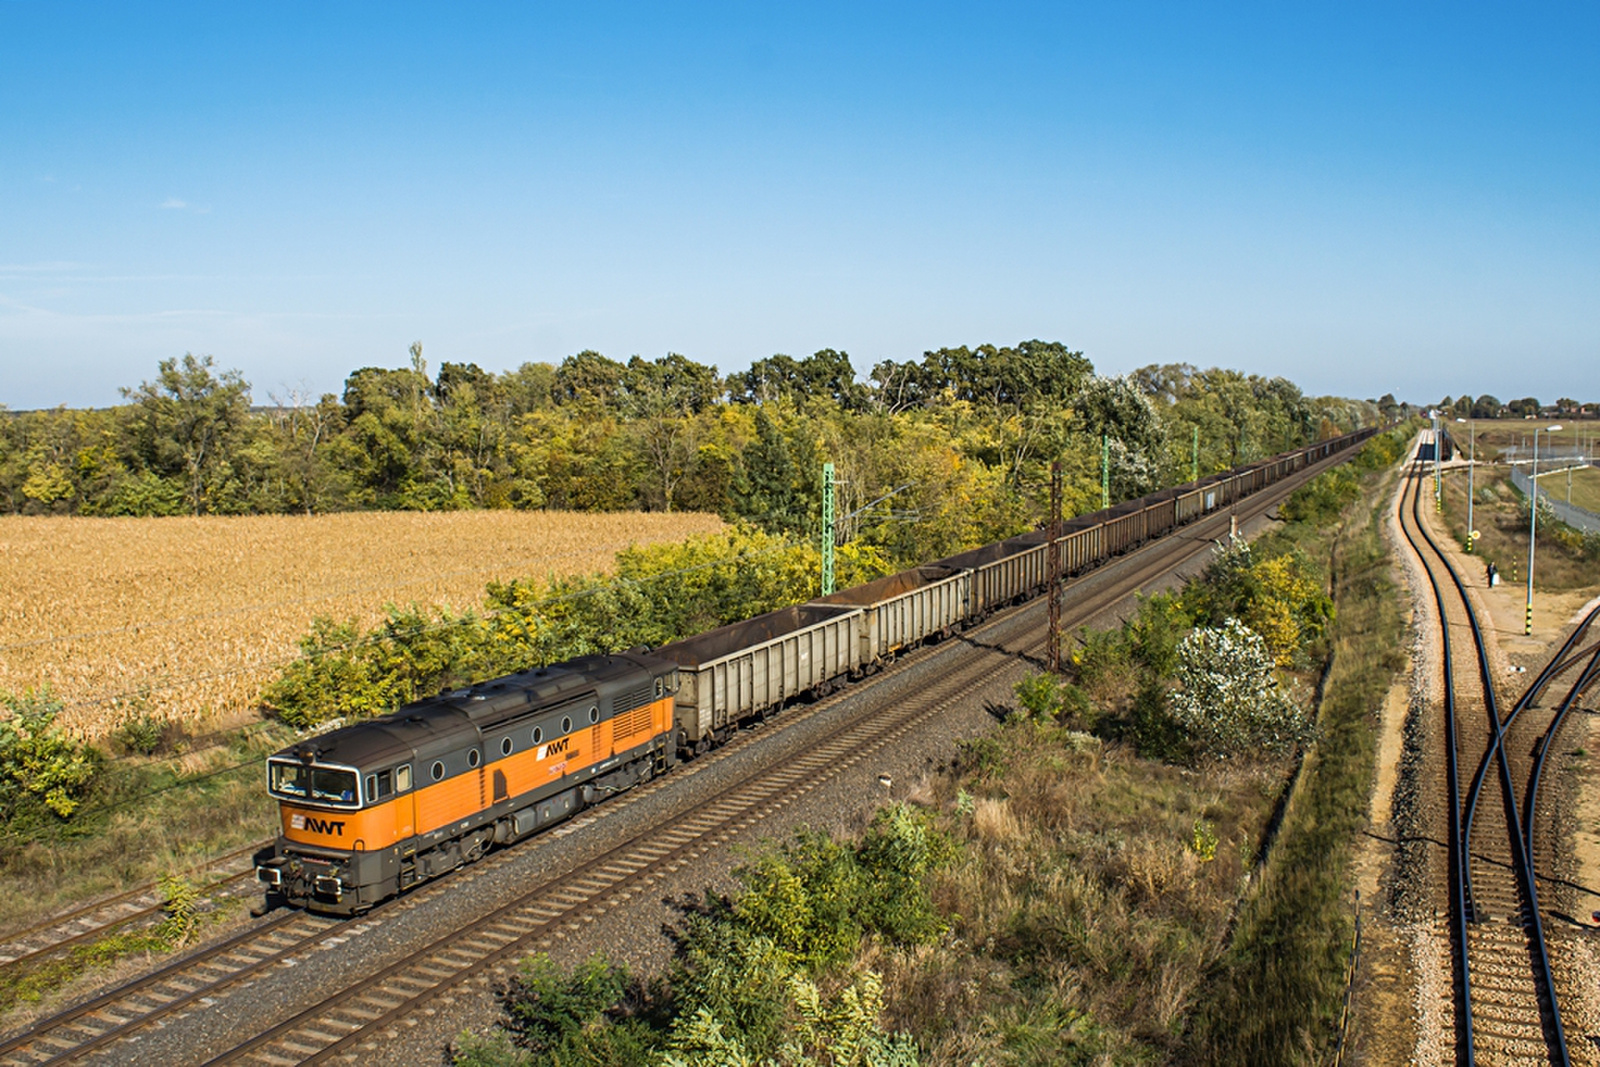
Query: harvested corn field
[188, 618]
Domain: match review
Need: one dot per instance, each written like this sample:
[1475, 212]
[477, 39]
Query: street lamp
[1533, 524]
[1438, 446]
[1472, 461]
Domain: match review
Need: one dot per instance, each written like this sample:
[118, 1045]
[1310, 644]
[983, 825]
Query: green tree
[662, 398]
[589, 381]
[767, 490]
[187, 422]
[39, 765]
[304, 433]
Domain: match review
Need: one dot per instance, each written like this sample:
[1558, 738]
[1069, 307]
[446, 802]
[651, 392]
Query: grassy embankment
[1583, 483]
[1119, 908]
[1274, 995]
[149, 817]
[1097, 905]
[1566, 558]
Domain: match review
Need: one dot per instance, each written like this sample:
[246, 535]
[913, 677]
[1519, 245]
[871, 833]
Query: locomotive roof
[423, 724]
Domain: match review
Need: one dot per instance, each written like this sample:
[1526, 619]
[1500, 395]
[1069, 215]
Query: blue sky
[1362, 198]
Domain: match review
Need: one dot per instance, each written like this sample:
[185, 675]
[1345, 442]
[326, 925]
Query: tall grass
[1273, 996]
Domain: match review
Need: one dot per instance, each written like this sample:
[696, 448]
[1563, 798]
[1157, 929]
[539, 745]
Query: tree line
[960, 440]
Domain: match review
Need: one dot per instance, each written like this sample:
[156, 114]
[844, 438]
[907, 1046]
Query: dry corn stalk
[188, 618]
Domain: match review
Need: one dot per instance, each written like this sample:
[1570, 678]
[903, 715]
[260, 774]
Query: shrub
[1230, 702]
[661, 593]
[39, 766]
[1323, 499]
[142, 734]
[1280, 597]
[585, 1017]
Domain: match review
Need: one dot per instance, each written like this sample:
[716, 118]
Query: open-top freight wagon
[371, 809]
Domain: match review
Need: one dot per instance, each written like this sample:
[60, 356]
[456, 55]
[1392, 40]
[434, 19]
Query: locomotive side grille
[632, 722]
[633, 698]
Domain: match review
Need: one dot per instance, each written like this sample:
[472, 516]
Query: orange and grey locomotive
[371, 809]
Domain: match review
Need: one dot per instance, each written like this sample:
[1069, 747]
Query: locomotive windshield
[301, 781]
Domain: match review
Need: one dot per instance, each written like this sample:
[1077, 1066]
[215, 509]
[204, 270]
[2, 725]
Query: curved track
[1508, 989]
[365, 1007]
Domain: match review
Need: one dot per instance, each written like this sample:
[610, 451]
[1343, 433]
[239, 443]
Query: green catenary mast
[827, 528]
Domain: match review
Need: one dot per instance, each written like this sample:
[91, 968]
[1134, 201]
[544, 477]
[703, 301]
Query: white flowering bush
[1230, 702]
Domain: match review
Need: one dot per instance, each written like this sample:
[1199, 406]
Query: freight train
[371, 809]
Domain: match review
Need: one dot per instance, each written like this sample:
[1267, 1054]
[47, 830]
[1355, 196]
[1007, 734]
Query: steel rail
[19, 938]
[1154, 556]
[1584, 681]
[1556, 666]
[1458, 899]
[46, 1031]
[1521, 858]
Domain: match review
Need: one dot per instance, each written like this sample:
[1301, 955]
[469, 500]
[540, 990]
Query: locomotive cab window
[309, 782]
[402, 777]
[379, 786]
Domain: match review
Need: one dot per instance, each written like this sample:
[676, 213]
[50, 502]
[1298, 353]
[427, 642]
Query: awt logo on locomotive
[316, 825]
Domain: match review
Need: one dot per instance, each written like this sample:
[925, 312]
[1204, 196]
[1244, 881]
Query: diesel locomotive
[372, 809]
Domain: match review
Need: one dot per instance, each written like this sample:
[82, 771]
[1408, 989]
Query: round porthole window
[594, 714]
[538, 735]
[566, 724]
[472, 758]
[505, 746]
[438, 770]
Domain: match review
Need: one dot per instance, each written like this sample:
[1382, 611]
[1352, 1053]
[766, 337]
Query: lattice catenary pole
[1053, 569]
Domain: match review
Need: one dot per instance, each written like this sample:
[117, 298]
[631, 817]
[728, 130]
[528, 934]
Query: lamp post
[1533, 525]
[1472, 462]
[1438, 446]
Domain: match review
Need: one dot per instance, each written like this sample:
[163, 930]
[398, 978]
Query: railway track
[140, 906]
[356, 1014]
[1509, 972]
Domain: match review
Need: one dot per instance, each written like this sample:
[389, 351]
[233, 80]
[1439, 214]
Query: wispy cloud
[174, 202]
[51, 266]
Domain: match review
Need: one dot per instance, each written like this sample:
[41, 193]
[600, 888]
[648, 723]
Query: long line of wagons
[371, 809]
